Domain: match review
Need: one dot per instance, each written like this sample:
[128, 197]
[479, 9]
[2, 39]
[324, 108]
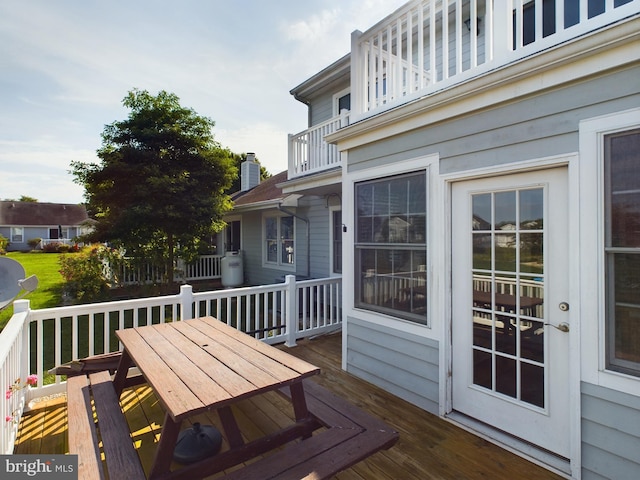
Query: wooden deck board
[429, 447]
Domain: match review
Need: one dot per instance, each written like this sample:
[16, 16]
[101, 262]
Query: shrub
[33, 242]
[4, 243]
[84, 274]
[64, 248]
[53, 247]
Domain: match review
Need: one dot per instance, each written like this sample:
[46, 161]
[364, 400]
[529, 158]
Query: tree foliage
[160, 186]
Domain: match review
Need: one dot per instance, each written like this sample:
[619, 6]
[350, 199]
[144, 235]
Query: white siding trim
[592, 299]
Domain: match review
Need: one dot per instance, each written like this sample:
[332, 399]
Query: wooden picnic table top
[202, 364]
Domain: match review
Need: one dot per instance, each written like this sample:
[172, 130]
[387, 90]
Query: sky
[66, 66]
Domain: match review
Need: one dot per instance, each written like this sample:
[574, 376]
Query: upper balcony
[423, 48]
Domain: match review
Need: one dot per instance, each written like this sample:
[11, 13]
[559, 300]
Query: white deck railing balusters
[273, 313]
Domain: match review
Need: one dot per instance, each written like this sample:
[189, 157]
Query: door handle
[563, 327]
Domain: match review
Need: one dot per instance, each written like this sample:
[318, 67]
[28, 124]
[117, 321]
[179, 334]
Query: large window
[622, 250]
[390, 246]
[279, 241]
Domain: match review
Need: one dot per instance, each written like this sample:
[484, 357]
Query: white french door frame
[571, 162]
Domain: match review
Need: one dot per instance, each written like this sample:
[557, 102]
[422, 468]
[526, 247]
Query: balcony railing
[34, 341]
[309, 153]
[424, 47]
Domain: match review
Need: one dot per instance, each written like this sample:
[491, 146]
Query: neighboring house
[485, 161]
[51, 222]
[281, 234]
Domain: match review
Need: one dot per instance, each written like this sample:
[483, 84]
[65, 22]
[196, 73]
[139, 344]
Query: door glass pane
[482, 251]
[482, 369]
[481, 212]
[506, 380]
[532, 380]
[508, 293]
[531, 209]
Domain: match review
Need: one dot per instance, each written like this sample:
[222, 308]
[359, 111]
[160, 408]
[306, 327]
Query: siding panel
[610, 433]
[403, 364]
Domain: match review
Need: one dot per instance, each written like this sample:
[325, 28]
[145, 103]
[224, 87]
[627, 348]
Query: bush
[33, 242]
[53, 247]
[64, 248]
[4, 243]
[84, 274]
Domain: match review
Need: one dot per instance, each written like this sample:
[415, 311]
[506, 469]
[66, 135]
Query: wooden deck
[429, 447]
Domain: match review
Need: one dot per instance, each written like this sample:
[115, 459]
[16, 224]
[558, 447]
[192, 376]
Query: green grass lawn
[49, 292]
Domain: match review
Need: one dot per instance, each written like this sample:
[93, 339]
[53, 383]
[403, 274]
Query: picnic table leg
[299, 403]
[166, 446]
[234, 437]
[121, 373]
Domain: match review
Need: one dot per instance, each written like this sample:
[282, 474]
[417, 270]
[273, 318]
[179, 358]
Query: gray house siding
[403, 364]
[539, 126]
[610, 434]
[311, 208]
[319, 223]
[322, 108]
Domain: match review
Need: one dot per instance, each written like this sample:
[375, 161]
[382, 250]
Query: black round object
[196, 443]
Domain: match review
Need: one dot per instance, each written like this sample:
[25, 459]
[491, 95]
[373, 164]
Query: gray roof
[37, 213]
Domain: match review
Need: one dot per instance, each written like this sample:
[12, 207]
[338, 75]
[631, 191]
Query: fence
[35, 341]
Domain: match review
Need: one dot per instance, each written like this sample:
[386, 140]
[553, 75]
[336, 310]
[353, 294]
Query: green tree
[26, 198]
[159, 188]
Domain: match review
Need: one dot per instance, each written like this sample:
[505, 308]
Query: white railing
[34, 341]
[309, 153]
[57, 241]
[206, 267]
[424, 47]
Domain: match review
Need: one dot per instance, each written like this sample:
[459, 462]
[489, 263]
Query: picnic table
[200, 365]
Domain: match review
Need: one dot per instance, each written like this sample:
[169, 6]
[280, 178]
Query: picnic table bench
[108, 428]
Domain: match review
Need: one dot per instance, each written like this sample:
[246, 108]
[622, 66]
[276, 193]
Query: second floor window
[279, 240]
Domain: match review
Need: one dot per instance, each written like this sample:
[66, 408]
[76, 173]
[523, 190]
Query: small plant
[31, 381]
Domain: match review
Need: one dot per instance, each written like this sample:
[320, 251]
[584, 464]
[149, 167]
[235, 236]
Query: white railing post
[291, 315]
[23, 306]
[186, 302]
[358, 83]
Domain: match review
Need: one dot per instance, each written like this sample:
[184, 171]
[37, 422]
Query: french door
[510, 331]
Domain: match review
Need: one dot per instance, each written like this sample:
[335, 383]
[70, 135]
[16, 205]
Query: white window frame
[435, 243]
[279, 265]
[592, 249]
[332, 272]
[14, 234]
[336, 98]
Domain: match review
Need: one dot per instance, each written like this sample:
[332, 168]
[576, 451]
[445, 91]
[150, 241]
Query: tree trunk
[170, 260]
